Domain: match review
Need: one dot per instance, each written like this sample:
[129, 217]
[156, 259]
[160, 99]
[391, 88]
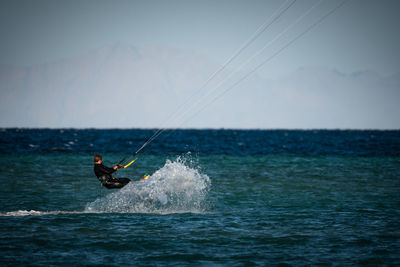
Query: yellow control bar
[129, 164]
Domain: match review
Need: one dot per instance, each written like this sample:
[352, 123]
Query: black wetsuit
[103, 173]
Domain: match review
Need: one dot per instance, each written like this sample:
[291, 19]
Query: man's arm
[107, 170]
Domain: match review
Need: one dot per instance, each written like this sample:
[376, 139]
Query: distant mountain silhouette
[125, 86]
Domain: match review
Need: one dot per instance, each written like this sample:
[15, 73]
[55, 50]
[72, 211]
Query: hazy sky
[363, 34]
[360, 37]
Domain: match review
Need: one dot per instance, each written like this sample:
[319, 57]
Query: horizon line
[200, 129]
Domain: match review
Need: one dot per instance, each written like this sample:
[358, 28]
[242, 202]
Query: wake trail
[174, 188]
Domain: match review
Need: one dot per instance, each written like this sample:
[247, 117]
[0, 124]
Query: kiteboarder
[104, 174]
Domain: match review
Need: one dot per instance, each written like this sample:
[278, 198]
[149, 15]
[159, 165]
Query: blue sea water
[214, 197]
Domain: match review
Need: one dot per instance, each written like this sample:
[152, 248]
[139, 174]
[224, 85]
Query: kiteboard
[145, 177]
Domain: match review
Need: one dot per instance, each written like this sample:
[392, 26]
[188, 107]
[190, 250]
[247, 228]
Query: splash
[175, 188]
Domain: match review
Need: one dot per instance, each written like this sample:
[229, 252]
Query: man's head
[98, 159]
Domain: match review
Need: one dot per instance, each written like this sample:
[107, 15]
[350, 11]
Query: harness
[104, 179]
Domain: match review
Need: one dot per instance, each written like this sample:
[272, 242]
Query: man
[103, 173]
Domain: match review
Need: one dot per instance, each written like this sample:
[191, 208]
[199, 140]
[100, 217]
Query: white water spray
[175, 188]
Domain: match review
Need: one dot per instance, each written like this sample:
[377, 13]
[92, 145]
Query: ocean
[213, 198]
